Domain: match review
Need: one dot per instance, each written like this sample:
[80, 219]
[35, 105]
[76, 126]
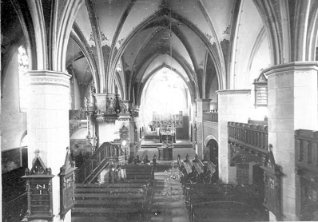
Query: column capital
[47, 77]
[292, 66]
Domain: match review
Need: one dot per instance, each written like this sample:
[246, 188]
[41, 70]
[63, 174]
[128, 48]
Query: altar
[167, 137]
[165, 153]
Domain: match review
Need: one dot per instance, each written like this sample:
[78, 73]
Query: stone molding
[202, 100]
[47, 77]
[293, 66]
[233, 91]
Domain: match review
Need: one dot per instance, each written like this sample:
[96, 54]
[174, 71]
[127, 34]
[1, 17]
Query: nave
[164, 194]
[99, 82]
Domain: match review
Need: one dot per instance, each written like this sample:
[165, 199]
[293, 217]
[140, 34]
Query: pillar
[135, 115]
[234, 106]
[126, 119]
[48, 124]
[292, 104]
[203, 105]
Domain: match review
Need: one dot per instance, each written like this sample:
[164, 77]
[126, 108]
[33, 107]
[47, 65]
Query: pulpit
[167, 137]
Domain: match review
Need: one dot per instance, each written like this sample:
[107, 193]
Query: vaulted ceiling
[145, 35]
[211, 44]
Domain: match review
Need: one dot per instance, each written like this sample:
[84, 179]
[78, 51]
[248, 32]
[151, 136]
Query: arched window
[24, 140]
[23, 67]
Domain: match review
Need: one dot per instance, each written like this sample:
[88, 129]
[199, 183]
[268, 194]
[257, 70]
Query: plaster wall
[13, 122]
[210, 128]
[234, 105]
[213, 88]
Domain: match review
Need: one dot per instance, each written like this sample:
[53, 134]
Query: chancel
[159, 110]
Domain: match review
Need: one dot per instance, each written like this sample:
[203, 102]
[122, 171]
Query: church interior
[159, 110]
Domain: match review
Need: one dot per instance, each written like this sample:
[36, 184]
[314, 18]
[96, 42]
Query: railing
[15, 209]
[93, 165]
[250, 136]
[210, 116]
[306, 144]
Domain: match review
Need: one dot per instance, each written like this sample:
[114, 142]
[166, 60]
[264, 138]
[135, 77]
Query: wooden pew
[112, 201]
[212, 195]
[112, 190]
[123, 183]
[224, 211]
[207, 188]
[109, 196]
[196, 172]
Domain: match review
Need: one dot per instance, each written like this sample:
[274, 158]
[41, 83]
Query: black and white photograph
[159, 110]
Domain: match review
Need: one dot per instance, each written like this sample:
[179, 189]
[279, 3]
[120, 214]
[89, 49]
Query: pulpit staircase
[90, 167]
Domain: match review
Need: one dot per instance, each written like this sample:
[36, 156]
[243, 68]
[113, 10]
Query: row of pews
[209, 200]
[223, 202]
[126, 200]
[197, 172]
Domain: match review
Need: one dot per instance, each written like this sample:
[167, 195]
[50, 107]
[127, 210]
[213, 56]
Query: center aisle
[168, 203]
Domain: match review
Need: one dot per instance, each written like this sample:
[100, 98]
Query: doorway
[213, 155]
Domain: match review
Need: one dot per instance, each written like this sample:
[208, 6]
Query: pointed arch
[79, 38]
[180, 19]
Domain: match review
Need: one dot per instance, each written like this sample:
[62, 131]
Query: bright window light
[165, 94]
[23, 67]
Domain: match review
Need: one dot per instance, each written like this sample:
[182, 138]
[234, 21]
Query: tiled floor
[168, 200]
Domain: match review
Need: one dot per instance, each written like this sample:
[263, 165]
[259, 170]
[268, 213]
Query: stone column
[135, 115]
[48, 124]
[126, 119]
[234, 106]
[203, 105]
[292, 104]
